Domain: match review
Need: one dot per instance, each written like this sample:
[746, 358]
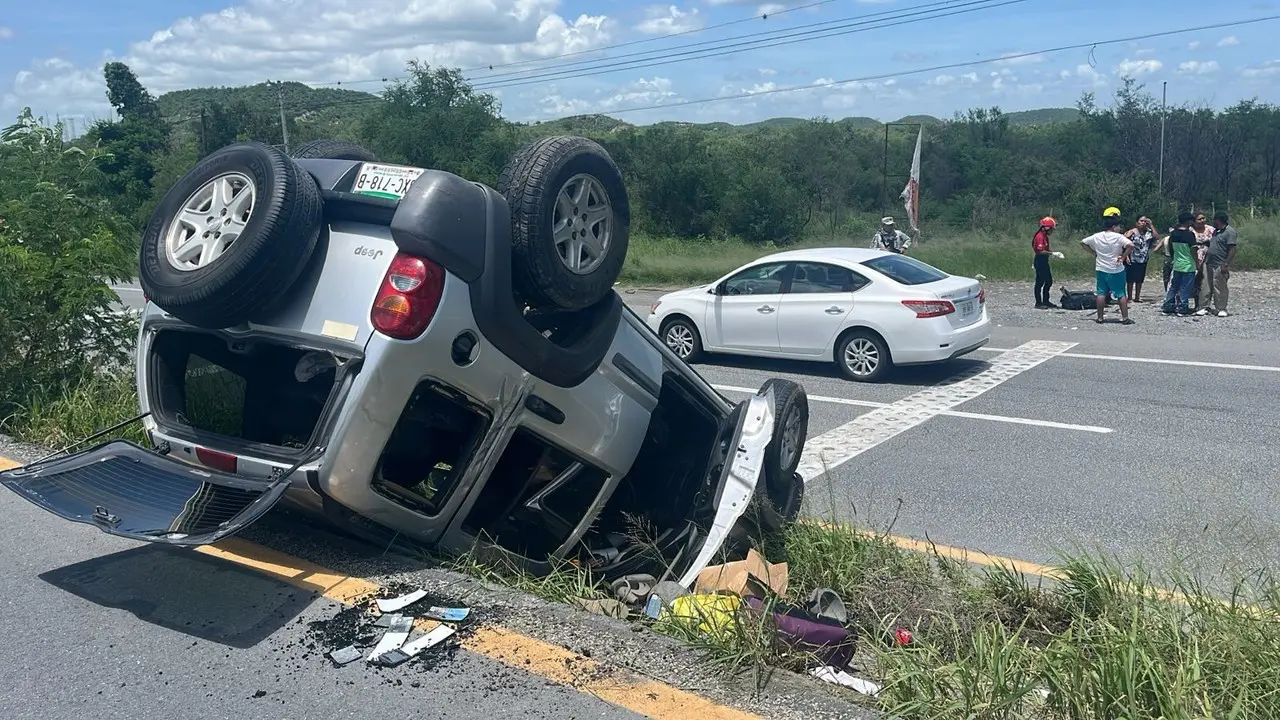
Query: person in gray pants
[1217, 266]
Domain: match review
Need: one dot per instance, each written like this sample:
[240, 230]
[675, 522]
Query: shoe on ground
[1202, 312]
[1222, 313]
[1041, 306]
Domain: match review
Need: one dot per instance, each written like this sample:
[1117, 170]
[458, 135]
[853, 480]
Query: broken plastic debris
[385, 621]
[447, 614]
[402, 602]
[411, 649]
[840, 677]
[393, 638]
[345, 655]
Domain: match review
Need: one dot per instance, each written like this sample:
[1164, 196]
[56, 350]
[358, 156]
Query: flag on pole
[911, 193]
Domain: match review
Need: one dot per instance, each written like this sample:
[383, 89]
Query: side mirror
[717, 289]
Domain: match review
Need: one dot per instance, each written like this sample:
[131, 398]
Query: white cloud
[1266, 69]
[641, 92]
[771, 8]
[1138, 67]
[769, 72]
[1144, 51]
[5, 32]
[942, 80]
[316, 41]
[1228, 41]
[970, 77]
[1196, 67]
[668, 20]
[1195, 45]
[1084, 71]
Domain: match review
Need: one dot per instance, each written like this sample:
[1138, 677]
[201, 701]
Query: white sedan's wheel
[682, 338]
[863, 356]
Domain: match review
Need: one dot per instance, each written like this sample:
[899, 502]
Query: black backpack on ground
[1077, 300]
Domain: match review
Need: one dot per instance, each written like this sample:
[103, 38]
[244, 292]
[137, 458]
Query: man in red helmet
[1044, 276]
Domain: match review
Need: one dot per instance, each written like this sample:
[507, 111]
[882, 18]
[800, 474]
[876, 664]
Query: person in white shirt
[1111, 252]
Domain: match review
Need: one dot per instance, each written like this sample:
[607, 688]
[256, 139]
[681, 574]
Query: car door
[743, 318]
[815, 306]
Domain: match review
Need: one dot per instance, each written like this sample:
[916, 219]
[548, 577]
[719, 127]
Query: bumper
[941, 342]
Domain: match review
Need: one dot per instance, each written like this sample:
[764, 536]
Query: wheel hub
[583, 224]
[209, 221]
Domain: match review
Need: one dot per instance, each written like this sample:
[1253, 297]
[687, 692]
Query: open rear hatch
[126, 490]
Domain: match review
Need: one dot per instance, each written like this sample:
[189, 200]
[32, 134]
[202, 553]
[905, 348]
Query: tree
[132, 145]
[61, 245]
[433, 118]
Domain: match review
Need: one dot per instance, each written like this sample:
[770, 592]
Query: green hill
[330, 109]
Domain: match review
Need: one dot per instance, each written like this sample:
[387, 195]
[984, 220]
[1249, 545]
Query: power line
[808, 28]
[674, 58]
[605, 48]
[846, 29]
[717, 26]
[374, 99]
[949, 66]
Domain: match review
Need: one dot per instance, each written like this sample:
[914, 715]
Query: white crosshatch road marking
[949, 413]
[836, 447]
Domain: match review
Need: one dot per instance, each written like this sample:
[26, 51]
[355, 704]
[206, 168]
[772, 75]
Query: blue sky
[51, 59]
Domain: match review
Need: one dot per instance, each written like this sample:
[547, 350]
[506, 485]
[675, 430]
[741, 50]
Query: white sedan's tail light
[930, 308]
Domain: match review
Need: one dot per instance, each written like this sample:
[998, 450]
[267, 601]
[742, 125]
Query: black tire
[259, 266]
[531, 182]
[867, 340]
[332, 150]
[688, 336]
[782, 454]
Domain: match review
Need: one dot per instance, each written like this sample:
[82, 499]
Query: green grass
[1098, 643]
[79, 410]
[1003, 254]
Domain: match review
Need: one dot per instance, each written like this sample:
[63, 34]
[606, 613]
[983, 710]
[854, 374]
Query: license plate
[388, 181]
[966, 308]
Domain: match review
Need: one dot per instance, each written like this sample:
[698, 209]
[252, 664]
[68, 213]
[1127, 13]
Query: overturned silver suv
[412, 354]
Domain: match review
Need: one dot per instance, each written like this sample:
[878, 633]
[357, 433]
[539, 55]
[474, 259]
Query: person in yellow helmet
[1111, 212]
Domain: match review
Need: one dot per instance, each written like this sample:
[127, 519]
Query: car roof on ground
[828, 254]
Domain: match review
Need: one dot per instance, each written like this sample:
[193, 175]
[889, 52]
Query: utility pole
[204, 135]
[1164, 97]
[284, 127]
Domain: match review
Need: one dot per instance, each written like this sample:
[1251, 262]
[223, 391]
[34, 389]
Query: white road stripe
[1158, 361]
[950, 413]
[836, 447]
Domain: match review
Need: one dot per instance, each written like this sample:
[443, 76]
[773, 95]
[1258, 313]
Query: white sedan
[865, 310]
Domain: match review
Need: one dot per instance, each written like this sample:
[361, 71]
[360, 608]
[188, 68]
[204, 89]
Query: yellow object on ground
[714, 613]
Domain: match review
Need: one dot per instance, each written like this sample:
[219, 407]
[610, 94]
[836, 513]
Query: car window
[758, 280]
[823, 278]
[905, 269]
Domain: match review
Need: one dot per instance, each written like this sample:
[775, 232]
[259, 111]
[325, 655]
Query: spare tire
[570, 221]
[231, 236]
[332, 150]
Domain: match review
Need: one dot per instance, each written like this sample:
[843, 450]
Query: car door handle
[833, 310]
[764, 309]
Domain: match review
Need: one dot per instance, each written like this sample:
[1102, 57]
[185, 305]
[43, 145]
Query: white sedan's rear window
[905, 270]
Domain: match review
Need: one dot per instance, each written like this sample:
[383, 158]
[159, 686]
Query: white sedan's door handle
[766, 309]
[833, 310]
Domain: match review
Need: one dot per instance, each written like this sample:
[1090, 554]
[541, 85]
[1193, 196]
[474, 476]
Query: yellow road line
[974, 556]
[639, 695]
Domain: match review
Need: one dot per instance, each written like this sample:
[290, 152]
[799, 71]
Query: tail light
[930, 308]
[654, 307]
[217, 460]
[982, 296]
[409, 297]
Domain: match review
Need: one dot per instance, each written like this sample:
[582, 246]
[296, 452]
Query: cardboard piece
[753, 577]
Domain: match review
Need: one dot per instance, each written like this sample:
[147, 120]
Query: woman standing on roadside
[1144, 237]
[1203, 232]
[1044, 276]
